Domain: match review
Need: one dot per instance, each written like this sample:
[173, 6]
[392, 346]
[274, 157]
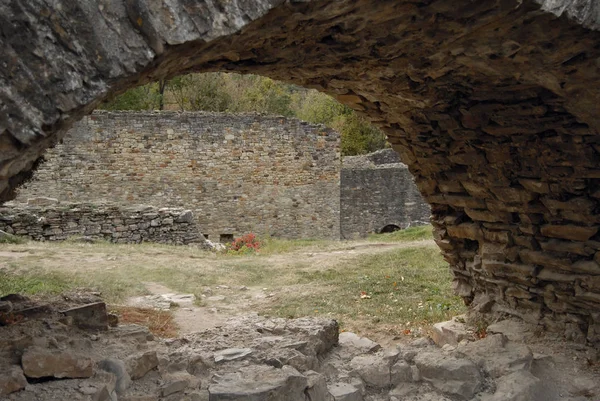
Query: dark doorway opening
[225, 238]
[390, 228]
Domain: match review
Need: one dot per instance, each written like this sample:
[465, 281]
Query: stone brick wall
[377, 190]
[239, 173]
[114, 223]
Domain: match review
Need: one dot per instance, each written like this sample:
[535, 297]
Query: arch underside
[493, 105]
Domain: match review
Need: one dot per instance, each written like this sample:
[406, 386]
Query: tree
[144, 97]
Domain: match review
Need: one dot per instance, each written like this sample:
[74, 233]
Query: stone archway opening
[492, 106]
[388, 228]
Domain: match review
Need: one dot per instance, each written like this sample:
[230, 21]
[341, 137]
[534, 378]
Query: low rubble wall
[112, 223]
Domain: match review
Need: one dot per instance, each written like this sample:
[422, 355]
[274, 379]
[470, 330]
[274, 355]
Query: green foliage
[33, 284]
[146, 97]
[319, 108]
[6, 238]
[201, 92]
[358, 136]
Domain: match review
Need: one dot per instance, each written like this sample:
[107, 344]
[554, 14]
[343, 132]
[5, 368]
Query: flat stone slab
[259, 383]
[345, 392]
[450, 332]
[91, 316]
[61, 364]
[361, 344]
[231, 354]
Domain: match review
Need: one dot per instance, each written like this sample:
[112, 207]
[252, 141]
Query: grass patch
[405, 287]
[410, 234]
[34, 283]
[6, 238]
[409, 287]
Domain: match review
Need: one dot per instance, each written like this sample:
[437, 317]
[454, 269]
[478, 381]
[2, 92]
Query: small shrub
[245, 244]
[6, 238]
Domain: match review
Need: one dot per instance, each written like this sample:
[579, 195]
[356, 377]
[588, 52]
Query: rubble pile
[75, 354]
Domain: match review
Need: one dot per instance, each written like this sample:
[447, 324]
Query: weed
[6, 238]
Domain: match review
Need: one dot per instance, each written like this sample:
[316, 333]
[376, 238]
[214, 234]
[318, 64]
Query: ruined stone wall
[377, 190]
[114, 223]
[239, 173]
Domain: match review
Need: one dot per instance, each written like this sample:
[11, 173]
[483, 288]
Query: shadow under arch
[493, 106]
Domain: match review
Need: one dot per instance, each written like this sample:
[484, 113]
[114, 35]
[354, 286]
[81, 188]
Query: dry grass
[407, 283]
[159, 322]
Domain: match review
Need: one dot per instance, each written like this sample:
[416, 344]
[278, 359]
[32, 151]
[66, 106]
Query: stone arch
[388, 228]
[493, 105]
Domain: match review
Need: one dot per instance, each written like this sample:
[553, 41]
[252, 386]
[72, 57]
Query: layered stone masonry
[239, 173]
[274, 176]
[114, 223]
[377, 194]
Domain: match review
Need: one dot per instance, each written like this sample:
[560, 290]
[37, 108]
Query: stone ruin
[378, 195]
[294, 186]
[69, 351]
[492, 105]
[44, 220]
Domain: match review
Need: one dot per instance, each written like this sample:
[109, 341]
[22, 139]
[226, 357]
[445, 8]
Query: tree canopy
[224, 92]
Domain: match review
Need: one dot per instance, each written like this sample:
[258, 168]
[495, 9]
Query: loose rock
[39, 363]
[11, 380]
[452, 376]
[139, 365]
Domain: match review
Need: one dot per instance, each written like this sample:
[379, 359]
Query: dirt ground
[203, 289]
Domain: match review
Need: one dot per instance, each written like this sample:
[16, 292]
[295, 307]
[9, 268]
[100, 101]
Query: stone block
[555, 245]
[502, 237]
[91, 316]
[476, 190]
[345, 392]
[497, 356]
[470, 231]
[359, 344]
[569, 231]
[535, 185]
[140, 364]
[11, 380]
[259, 382]
[450, 332]
[317, 386]
[544, 259]
[513, 195]
[374, 370]
[486, 215]
[176, 383]
[517, 386]
[452, 376]
[61, 364]
[401, 372]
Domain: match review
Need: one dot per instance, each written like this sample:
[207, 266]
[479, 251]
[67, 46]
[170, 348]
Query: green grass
[410, 234]
[6, 238]
[34, 283]
[405, 286]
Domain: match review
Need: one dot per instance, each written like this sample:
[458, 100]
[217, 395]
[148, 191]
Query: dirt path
[188, 317]
[202, 289]
[220, 302]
